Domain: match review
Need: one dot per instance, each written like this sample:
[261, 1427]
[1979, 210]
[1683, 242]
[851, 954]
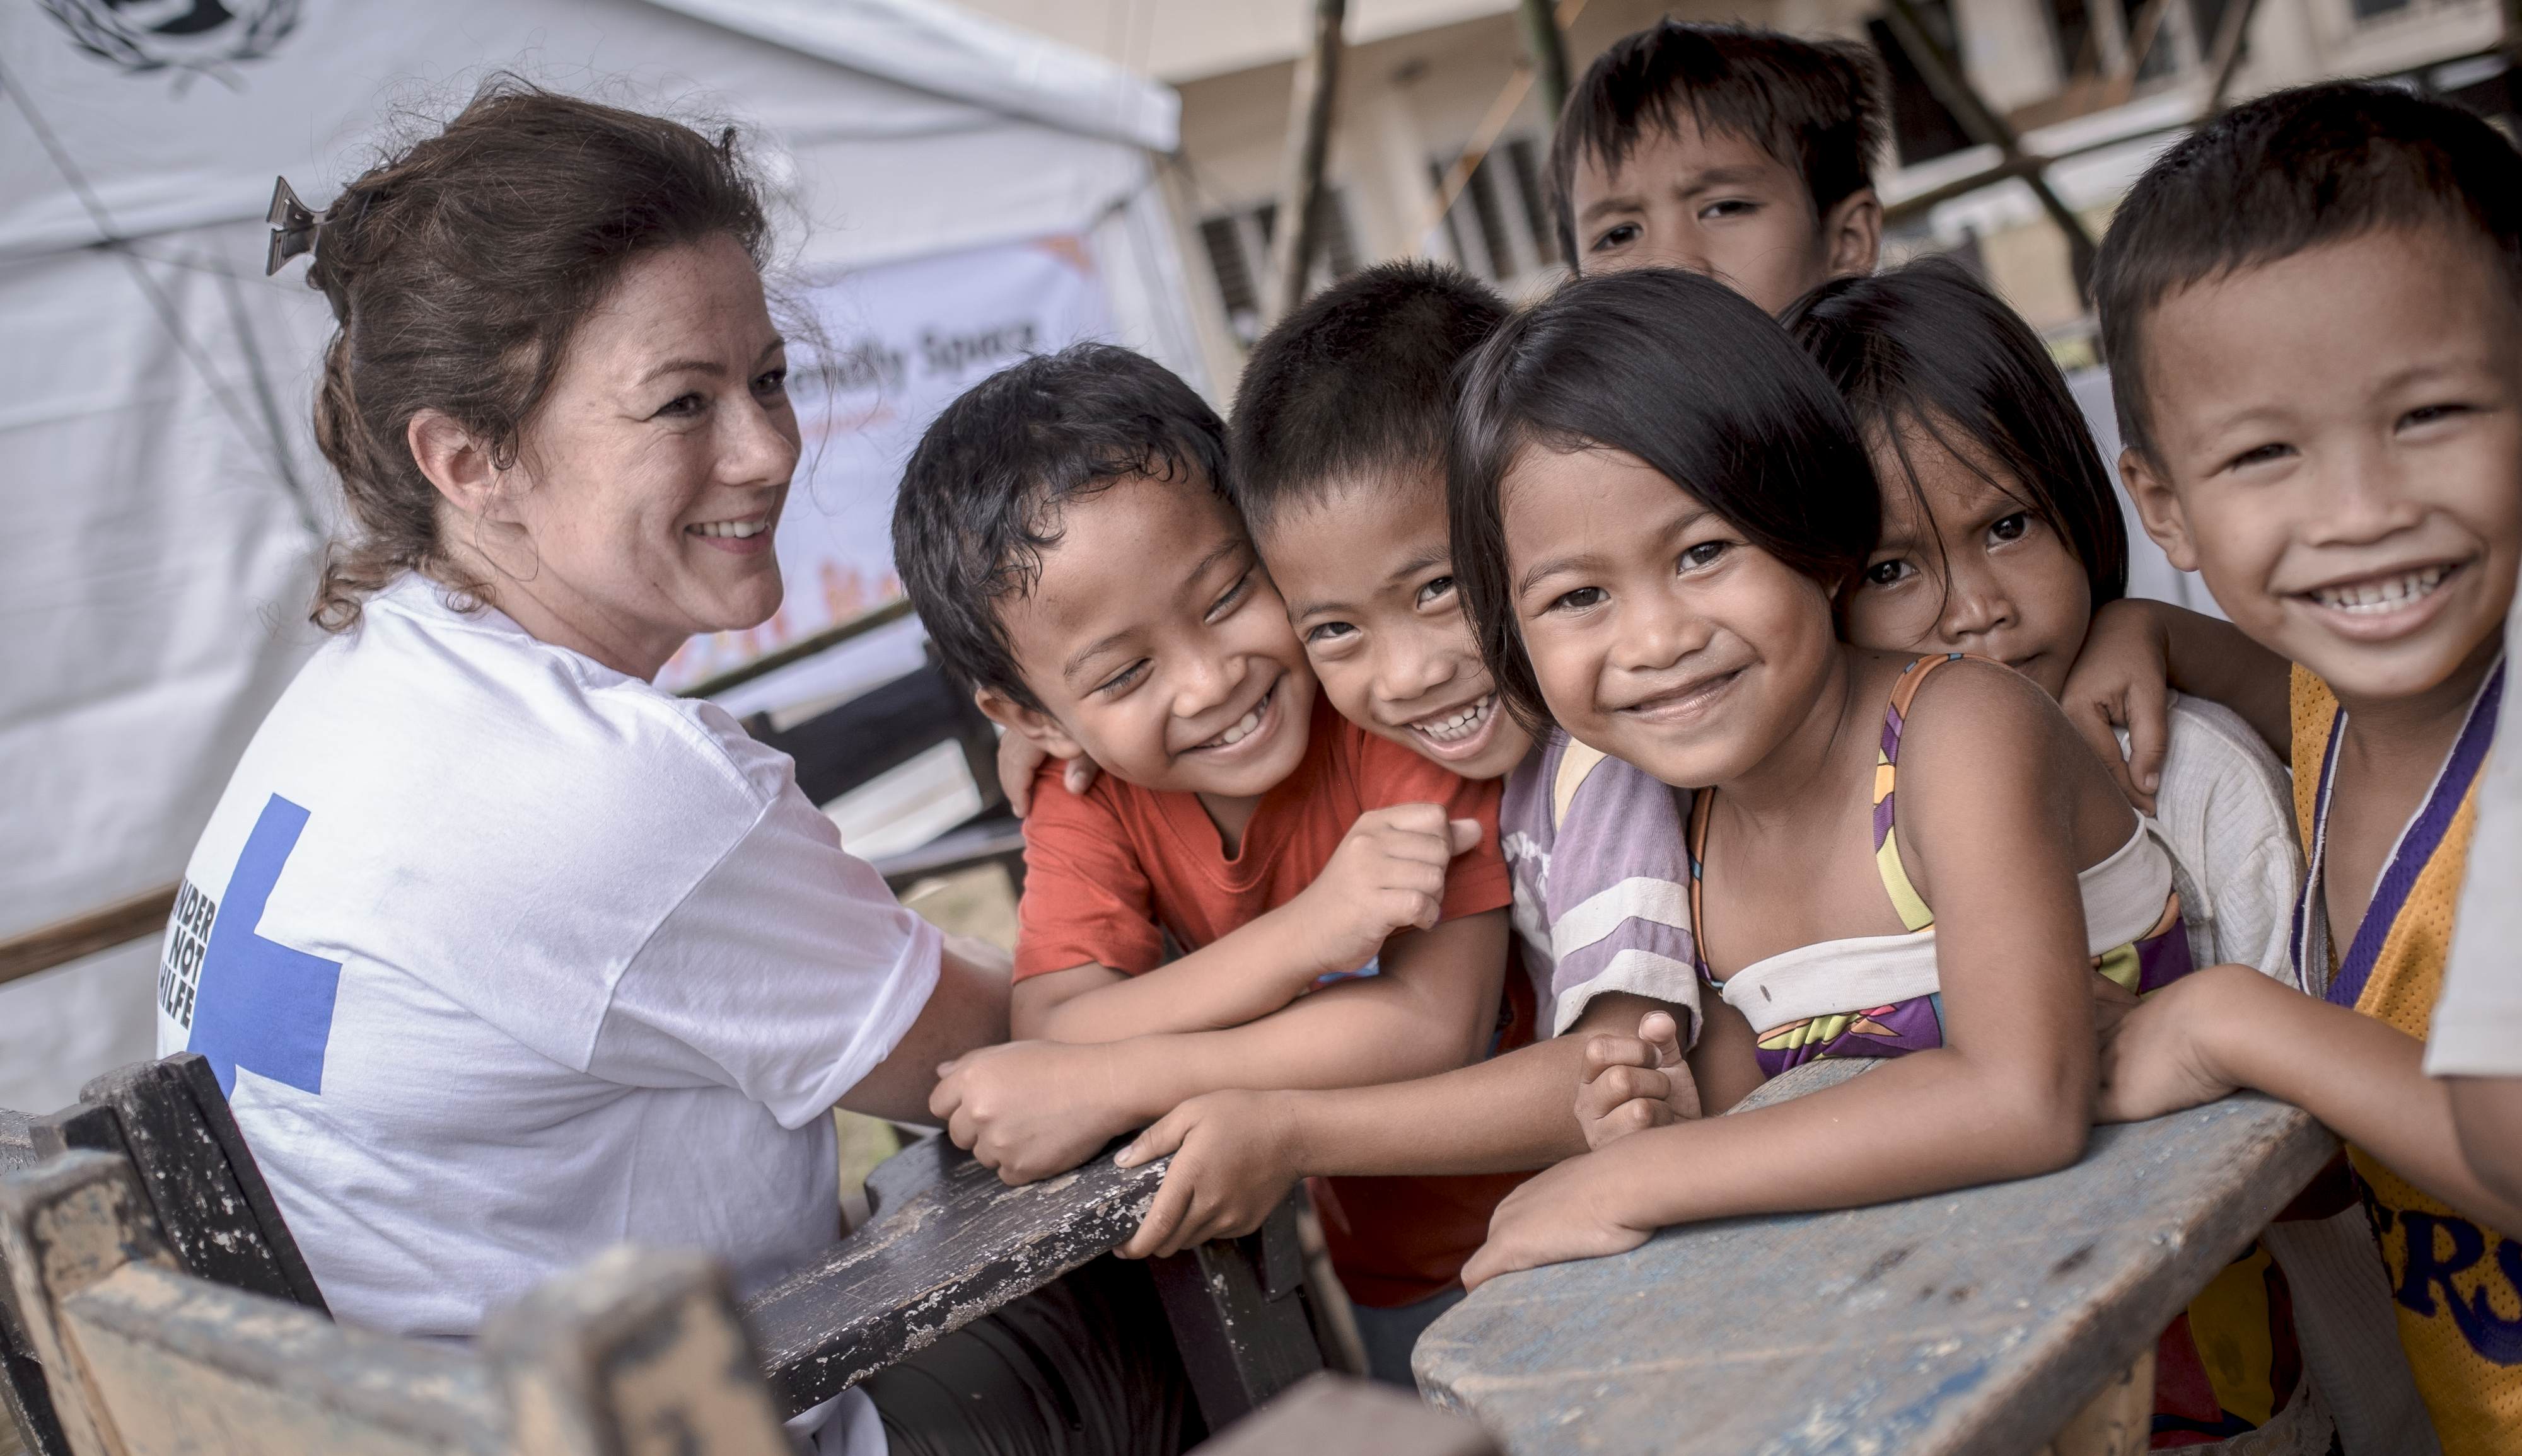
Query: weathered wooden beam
[1303, 198]
[1324, 1414]
[1546, 52]
[1972, 1323]
[84, 935]
[2231, 29]
[1237, 1309]
[949, 1243]
[1944, 77]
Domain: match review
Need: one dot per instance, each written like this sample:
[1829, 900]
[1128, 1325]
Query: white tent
[154, 385]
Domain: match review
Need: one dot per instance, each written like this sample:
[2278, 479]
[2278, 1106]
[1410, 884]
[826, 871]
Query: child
[1742, 154]
[1065, 533]
[1339, 467]
[2001, 536]
[2312, 308]
[1656, 502]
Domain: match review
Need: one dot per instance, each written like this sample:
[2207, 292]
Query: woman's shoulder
[472, 675]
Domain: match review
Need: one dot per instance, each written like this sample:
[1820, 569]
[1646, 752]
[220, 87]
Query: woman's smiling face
[641, 507]
[1658, 632]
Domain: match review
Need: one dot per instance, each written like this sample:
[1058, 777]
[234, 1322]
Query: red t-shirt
[1111, 874]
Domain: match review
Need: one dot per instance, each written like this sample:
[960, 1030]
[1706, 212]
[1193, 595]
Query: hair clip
[292, 227]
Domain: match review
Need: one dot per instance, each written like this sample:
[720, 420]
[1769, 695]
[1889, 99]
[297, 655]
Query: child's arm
[1388, 875]
[1994, 799]
[1236, 1154]
[2229, 1027]
[2487, 1113]
[2133, 651]
[1034, 1109]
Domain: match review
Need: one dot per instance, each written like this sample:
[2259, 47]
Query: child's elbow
[2048, 1126]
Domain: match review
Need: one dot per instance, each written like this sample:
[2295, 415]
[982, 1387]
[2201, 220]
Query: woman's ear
[1032, 723]
[2158, 506]
[457, 461]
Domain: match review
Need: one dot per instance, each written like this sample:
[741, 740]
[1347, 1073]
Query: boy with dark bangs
[1339, 467]
[2313, 308]
[1742, 153]
[1065, 531]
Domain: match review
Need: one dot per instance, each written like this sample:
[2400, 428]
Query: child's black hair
[1356, 384]
[1927, 348]
[1686, 375]
[2291, 171]
[980, 499]
[1814, 104]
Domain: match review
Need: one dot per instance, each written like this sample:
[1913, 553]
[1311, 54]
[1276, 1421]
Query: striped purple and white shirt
[1601, 862]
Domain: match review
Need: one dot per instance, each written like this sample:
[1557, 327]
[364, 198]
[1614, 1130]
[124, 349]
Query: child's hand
[1030, 1109]
[1631, 1083]
[2160, 1058]
[2122, 678]
[1567, 1213]
[1020, 758]
[1234, 1162]
[1388, 875]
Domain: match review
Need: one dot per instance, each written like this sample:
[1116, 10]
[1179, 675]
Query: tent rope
[271, 444]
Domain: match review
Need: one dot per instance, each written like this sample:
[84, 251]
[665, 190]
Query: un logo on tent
[188, 35]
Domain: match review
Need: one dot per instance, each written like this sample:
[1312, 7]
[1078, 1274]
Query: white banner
[905, 339]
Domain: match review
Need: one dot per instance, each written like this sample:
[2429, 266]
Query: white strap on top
[2122, 897]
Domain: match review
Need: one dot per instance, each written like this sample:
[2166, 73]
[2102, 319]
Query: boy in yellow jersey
[2313, 310]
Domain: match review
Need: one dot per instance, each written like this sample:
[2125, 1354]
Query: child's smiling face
[1158, 647]
[1367, 572]
[1975, 570]
[2338, 450]
[1658, 632]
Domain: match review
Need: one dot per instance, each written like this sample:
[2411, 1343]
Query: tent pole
[1302, 200]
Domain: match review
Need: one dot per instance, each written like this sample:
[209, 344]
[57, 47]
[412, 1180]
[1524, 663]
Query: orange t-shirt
[1114, 873]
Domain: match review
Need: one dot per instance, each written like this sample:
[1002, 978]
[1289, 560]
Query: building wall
[1420, 79]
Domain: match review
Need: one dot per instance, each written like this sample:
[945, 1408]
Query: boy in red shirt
[1065, 533]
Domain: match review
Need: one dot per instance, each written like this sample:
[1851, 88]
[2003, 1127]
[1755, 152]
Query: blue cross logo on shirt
[262, 1004]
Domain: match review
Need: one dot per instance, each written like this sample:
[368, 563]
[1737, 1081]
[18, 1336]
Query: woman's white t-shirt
[504, 957]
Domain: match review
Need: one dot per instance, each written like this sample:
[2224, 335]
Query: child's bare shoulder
[1976, 720]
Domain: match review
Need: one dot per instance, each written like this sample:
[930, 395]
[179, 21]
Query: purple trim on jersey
[2417, 846]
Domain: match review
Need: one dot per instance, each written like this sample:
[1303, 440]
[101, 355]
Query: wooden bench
[1973, 1321]
[641, 1353]
[1327, 1414]
[946, 1244]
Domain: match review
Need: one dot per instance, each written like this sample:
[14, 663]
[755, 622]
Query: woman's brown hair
[459, 270]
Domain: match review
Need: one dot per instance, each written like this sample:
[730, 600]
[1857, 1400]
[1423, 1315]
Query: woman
[502, 954]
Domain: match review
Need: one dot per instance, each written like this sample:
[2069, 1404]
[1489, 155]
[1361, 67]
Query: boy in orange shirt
[1065, 532]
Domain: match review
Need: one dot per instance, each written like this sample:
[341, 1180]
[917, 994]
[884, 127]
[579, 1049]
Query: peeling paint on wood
[949, 1243]
[1967, 1323]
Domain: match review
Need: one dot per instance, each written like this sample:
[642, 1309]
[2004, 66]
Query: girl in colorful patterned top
[2001, 537]
[1659, 505]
